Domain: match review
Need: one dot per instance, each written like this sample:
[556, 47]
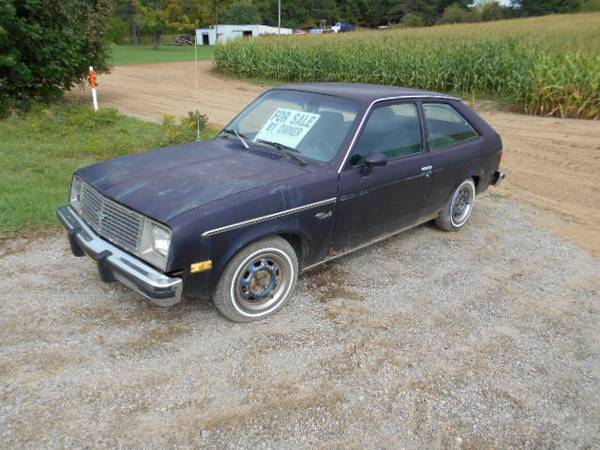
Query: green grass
[147, 54]
[545, 65]
[41, 149]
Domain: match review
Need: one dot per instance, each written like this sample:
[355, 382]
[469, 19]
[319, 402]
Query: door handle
[426, 168]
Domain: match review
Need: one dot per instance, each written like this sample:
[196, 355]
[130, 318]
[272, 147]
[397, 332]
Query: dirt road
[488, 338]
[553, 164]
[150, 90]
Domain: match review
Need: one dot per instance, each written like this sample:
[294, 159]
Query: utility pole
[216, 23]
[279, 17]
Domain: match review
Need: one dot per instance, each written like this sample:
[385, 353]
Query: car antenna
[196, 66]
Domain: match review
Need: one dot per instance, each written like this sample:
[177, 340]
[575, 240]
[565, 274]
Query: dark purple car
[305, 174]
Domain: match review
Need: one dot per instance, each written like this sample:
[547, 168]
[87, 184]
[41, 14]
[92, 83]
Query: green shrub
[47, 45]
[186, 128]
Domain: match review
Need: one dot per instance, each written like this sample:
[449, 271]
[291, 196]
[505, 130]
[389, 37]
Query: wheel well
[296, 242]
[476, 181]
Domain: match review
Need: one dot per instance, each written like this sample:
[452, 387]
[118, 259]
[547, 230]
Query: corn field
[546, 66]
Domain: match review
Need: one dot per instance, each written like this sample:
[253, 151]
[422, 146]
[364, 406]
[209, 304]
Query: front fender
[312, 228]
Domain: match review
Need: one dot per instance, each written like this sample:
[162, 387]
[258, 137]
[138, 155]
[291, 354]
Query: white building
[208, 36]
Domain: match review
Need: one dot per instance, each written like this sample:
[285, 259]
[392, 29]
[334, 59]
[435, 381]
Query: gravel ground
[485, 338]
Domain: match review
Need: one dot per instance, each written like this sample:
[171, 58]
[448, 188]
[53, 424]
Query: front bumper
[116, 265]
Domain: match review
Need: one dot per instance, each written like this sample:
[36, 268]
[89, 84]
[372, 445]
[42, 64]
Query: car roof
[365, 93]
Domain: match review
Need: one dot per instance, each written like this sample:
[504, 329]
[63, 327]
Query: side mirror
[376, 160]
[373, 160]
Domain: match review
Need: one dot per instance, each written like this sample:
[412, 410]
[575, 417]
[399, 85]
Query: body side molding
[261, 219]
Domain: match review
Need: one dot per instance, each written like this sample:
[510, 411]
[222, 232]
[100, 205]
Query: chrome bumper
[116, 265]
[498, 177]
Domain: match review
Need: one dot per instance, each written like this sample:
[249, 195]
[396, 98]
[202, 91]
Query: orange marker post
[93, 84]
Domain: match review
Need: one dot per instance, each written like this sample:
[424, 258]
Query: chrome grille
[120, 225]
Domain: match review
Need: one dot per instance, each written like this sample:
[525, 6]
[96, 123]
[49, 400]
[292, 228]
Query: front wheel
[457, 210]
[258, 281]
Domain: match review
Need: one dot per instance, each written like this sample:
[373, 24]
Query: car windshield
[313, 126]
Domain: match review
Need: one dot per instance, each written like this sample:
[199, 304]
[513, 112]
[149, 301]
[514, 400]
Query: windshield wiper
[241, 137]
[288, 151]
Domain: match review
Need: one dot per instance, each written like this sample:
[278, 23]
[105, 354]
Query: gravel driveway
[485, 338]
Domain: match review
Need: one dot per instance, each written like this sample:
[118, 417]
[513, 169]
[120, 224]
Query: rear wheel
[258, 281]
[457, 210]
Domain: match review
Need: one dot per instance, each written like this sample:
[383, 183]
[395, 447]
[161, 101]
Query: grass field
[41, 149]
[546, 65]
[147, 54]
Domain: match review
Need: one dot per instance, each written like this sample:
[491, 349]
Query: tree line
[47, 45]
[135, 18]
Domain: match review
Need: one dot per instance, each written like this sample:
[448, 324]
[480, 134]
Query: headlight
[156, 240]
[161, 239]
[76, 186]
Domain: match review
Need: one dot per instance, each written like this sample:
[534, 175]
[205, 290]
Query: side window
[446, 127]
[393, 130]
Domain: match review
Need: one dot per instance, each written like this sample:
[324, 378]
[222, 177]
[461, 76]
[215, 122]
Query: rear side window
[393, 130]
[446, 127]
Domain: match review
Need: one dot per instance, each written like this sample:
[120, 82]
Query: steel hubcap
[262, 282]
[259, 279]
[462, 204]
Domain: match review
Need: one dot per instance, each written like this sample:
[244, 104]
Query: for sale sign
[287, 127]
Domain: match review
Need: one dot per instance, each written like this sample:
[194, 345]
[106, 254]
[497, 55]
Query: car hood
[165, 183]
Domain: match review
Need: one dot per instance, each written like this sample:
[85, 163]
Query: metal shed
[208, 36]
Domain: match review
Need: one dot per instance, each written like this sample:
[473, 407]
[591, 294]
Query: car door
[380, 200]
[454, 148]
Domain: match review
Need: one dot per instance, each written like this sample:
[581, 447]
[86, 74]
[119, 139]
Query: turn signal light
[201, 266]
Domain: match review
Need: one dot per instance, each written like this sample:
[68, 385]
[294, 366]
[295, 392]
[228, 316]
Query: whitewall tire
[456, 212]
[258, 281]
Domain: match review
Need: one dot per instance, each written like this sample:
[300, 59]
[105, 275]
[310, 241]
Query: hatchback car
[305, 174]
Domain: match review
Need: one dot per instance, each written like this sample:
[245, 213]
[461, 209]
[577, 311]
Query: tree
[118, 30]
[126, 11]
[154, 17]
[47, 45]
[590, 5]
[162, 16]
[352, 10]
[413, 20]
[457, 13]
[493, 10]
[241, 13]
[541, 7]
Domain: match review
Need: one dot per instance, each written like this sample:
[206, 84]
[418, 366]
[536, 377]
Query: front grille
[119, 225]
